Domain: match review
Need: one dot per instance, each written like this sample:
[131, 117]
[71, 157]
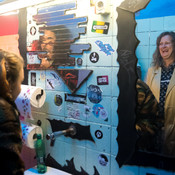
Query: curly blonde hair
[10, 66]
[157, 59]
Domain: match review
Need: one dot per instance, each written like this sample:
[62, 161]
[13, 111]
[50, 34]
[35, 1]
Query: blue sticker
[99, 112]
[106, 48]
[94, 94]
[96, 110]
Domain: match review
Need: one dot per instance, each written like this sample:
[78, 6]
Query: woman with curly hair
[11, 77]
[161, 80]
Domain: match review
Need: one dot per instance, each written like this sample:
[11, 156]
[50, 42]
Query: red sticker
[102, 80]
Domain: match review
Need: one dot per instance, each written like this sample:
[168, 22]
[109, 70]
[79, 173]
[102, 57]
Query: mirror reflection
[155, 121]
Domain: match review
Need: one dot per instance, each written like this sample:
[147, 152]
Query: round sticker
[98, 134]
[96, 110]
[103, 160]
[33, 30]
[99, 112]
[58, 100]
[94, 57]
[94, 94]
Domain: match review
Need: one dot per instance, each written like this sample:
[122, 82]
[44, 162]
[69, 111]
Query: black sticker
[33, 79]
[103, 160]
[94, 94]
[94, 57]
[33, 30]
[58, 100]
[79, 61]
[98, 134]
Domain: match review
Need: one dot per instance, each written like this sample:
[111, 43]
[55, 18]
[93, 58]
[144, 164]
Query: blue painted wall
[157, 8]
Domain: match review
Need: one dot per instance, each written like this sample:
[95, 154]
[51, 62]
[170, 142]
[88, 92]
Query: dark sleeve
[10, 140]
[146, 101]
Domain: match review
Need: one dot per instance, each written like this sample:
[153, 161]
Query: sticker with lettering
[106, 48]
[94, 57]
[100, 27]
[32, 58]
[102, 80]
[73, 111]
[75, 98]
[94, 94]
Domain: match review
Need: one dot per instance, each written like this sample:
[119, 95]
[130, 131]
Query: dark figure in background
[11, 77]
[161, 80]
[148, 123]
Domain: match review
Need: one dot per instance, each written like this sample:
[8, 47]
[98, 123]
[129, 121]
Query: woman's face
[16, 87]
[48, 41]
[166, 48]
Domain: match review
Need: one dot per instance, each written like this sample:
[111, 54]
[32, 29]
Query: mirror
[156, 18]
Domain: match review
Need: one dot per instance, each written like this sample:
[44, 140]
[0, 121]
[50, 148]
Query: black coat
[10, 139]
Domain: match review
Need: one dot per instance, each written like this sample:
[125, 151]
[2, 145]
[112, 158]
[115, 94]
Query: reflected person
[47, 44]
[54, 46]
[148, 122]
[161, 80]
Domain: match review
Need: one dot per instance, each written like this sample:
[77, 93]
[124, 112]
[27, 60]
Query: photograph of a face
[53, 34]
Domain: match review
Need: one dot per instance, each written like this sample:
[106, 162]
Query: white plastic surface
[50, 171]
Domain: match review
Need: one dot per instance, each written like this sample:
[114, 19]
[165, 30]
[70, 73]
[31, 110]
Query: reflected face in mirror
[161, 84]
[166, 49]
[48, 41]
[47, 44]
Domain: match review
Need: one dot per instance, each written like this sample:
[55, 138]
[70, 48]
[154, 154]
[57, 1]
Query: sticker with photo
[94, 94]
[58, 100]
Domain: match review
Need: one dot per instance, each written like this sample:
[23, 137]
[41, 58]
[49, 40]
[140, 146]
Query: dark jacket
[10, 139]
[148, 123]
